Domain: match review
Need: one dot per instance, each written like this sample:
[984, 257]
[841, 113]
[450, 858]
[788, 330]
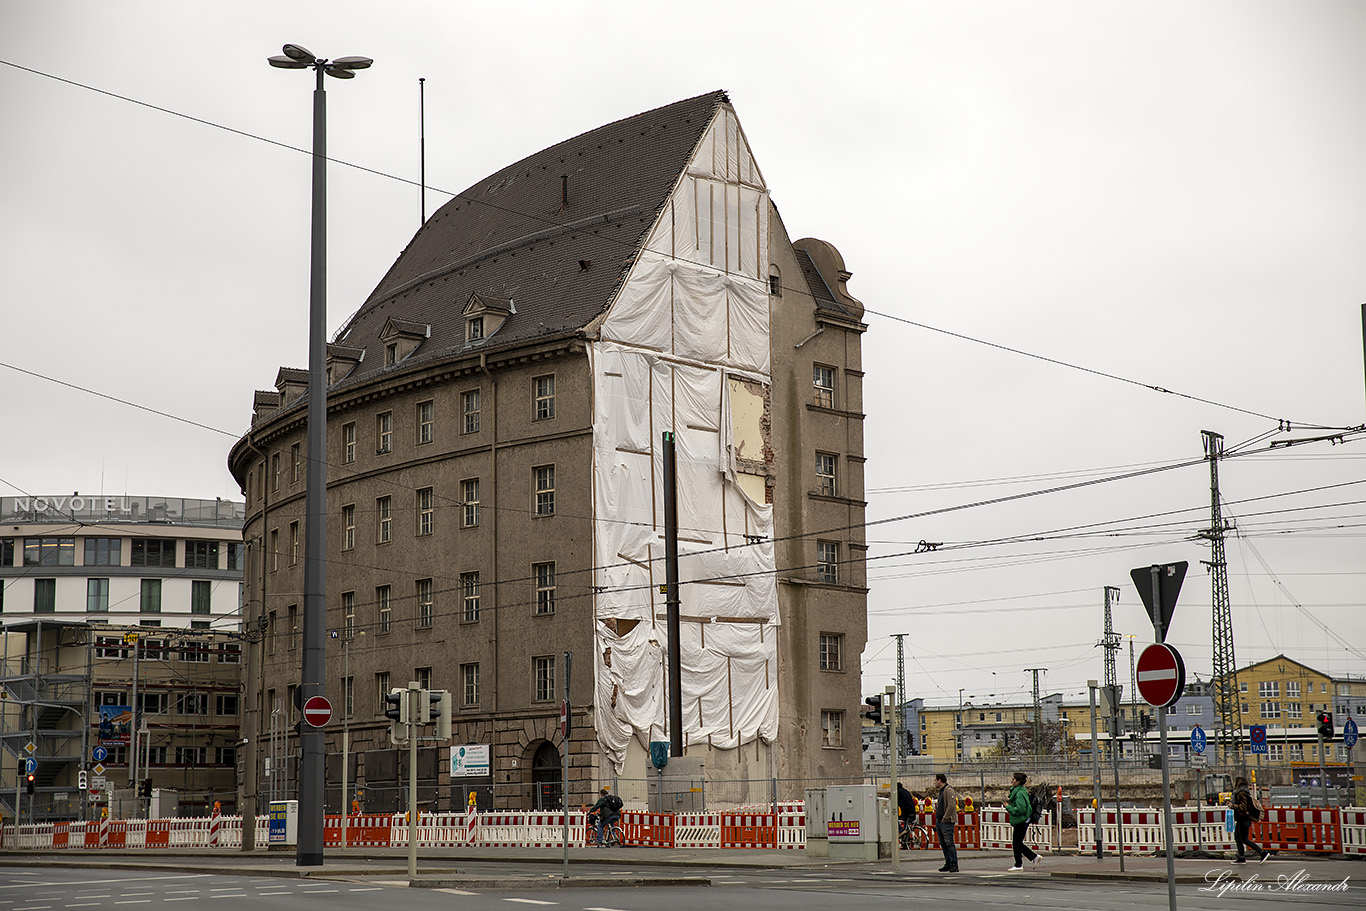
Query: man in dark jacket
[945, 818]
[1245, 813]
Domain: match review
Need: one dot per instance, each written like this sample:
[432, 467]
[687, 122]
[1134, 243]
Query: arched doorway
[545, 777]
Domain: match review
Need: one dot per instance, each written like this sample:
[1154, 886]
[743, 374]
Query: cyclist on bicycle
[905, 807]
[608, 811]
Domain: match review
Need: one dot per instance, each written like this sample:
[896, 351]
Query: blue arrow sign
[1198, 739]
[1349, 733]
[30, 765]
[99, 754]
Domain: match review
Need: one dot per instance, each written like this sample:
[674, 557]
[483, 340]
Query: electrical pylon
[1038, 709]
[1111, 642]
[900, 695]
[1228, 731]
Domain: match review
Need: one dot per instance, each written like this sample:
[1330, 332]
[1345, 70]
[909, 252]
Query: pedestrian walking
[1246, 811]
[1020, 808]
[945, 818]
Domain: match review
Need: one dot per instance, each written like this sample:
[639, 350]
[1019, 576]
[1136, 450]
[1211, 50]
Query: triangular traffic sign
[1169, 579]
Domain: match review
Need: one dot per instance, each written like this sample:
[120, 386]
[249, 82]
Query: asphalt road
[610, 888]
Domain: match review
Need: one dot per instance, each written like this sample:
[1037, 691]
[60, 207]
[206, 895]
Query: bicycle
[612, 837]
[914, 835]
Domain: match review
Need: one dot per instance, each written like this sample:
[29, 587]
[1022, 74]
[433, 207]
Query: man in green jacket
[1019, 808]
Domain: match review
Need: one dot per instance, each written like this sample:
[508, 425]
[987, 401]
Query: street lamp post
[310, 844]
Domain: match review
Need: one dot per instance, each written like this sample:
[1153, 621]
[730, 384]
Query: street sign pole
[1155, 573]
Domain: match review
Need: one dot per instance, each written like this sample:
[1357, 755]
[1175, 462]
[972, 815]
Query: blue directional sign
[1257, 735]
[1349, 733]
[99, 754]
[30, 765]
[1198, 739]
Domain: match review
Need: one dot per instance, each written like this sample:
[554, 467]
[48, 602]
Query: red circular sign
[317, 711]
[1161, 675]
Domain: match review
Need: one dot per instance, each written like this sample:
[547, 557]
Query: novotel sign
[36, 509]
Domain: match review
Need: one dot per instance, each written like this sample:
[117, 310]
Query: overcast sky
[1167, 194]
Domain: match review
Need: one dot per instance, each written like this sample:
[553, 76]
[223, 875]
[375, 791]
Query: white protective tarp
[691, 318]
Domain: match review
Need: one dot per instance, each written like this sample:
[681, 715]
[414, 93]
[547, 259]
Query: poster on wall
[115, 723]
[470, 761]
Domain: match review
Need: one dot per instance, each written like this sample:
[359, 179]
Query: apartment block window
[1194, 708]
[225, 704]
[1242, 708]
[201, 554]
[825, 474]
[156, 756]
[348, 696]
[426, 511]
[230, 653]
[154, 703]
[348, 541]
[382, 688]
[102, 552]
[200, 624]
[424, 603]
[384, 608]
[469, 499]
[153, 552]
[225, 756]
[193, 704]
[191, 756]
[1294, 709]
[831, 644]
[543, 397]
[384, 432]
[275, 470]
[384, 509]
[423, 676]
[349, 442]
[469, 584]
[51, 552]
[195, 652]
[150, 599]
[469, 680]
[7, 552]
[832, 728]
[543, 677]
[1271, 710]
[44, 596]
[96, 595]
[274, 549]
[1269, 689]
[1242, 686]
[292, 618]
[469, 406]
[544, 574]
[295, 463]
[823, 381]
[425, 422]
[293, 543]
[201, 593]
[544, 477]
[827, 561]
[1292, 689]
[349, 614]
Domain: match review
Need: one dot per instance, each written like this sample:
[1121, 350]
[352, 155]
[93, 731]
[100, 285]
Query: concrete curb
[559, 883]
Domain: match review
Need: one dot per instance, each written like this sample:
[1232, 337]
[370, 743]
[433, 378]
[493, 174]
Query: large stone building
[495, 415]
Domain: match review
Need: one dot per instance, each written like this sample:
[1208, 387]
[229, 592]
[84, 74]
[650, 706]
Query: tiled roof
[555, 232]
[825, 298]
[291, 375]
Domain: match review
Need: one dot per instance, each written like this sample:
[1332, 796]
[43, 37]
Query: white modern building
[137, 561]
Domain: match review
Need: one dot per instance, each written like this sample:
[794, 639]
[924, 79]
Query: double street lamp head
[301, 58]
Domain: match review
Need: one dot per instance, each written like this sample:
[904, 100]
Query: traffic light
[442, 700]
[145, 789]
[1145, 721]
[1326, 726]
[398, 706]
[28, 787]
[872, 709]
[82, 780]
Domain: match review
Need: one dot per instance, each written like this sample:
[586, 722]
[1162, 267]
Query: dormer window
[390, 354]
[474, 329]
[401, 338]
[485, 315]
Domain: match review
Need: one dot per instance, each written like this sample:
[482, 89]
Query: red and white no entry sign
[1161, 675]
[317, 711]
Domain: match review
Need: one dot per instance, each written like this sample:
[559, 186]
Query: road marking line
[275, 893]
[238, 895]
[365, 889]
[319, 891]
[529, 901]
[457, 892]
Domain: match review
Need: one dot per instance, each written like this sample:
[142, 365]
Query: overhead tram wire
[1282, 423]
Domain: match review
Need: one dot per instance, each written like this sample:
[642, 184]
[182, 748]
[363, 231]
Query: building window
[775, 282]
[349, 442]
[384, 509]
[201, 554]
[1194, 708]
[292, 618]
[156, 650]
[348, 696]
[44, 596]
[153, 552]
[274, 549]
[97, 595]
[825, 474]
[293, 543]
[382, 688]
[823, 379]
[1242, 686]
[225, 705]
[1243, 709]
[384, 608]
[102, 552]
[200, 624]
[543, 397]
[1269, 689]
[1271, 710]
[191, 756]
[543, 676]
[200, 596]
[275, 470]
[51, 552]
[230, 653]
[425, 423]
[831, 644]
[425, 511]
[423, 676]
[1294, 709]
[544, 477]
[832, 724]
[384, 432]
[195, 652]
[544, 574]
[424, 603]
[237, 556]
[1292, 689]
[295, 463]
[469, 583]
[193, 704]
[150, 600]
[469, 405]
[225, 756]
[469, 677]
[348, 541]
[7, 552]
[827, 561]
[474, 328]
[349, 614]
[469, 501]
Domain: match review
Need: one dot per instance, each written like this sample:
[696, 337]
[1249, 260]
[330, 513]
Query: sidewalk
[528, 867]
